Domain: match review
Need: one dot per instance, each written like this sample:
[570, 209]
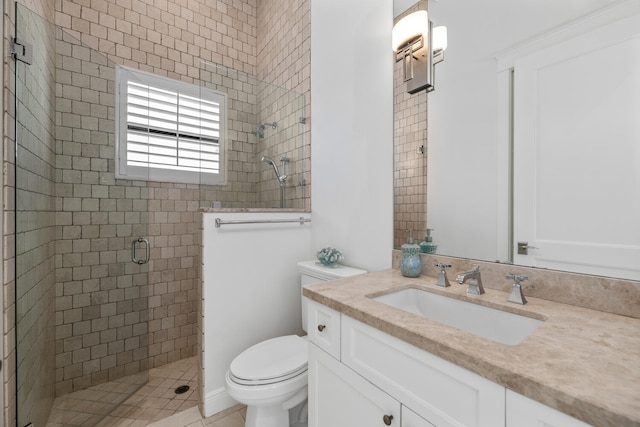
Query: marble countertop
[582, 362]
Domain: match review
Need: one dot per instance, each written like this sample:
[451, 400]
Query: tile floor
[152, 402]
[232, 417]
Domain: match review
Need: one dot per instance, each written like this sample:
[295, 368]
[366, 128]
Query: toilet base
[274, 416]
[267, 416]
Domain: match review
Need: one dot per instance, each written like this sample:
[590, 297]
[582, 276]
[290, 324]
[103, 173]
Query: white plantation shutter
[168, 130]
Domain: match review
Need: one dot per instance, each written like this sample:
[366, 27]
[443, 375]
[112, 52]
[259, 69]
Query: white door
[338, 397]
[577, 153]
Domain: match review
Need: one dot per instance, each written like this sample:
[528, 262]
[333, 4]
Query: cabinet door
[525, 412]
[338, 397]
[411, 419]
[439, 391]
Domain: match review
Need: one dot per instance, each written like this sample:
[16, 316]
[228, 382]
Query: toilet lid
[275, 359]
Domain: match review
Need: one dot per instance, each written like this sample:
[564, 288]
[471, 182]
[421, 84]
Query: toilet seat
[271, 361]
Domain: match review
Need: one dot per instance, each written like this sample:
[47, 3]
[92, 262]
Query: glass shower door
[81, 271]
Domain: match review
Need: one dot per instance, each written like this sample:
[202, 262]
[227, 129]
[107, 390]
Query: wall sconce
[420, 47]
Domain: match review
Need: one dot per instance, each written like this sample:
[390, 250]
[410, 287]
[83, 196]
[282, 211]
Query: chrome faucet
[516, 295]
[475, 281]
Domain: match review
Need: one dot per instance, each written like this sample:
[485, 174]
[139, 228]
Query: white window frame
[126, 170]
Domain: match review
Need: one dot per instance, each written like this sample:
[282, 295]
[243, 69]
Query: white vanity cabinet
[379, 380]
[525, 412]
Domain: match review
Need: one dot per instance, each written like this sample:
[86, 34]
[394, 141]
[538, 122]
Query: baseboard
[216, 401]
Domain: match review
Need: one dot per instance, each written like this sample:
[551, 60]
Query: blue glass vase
[410, 264]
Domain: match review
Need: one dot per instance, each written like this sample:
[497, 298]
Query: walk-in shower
[85, 313]
[282, 179]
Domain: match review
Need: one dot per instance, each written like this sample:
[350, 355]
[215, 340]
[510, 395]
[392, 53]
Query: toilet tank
[312, 272]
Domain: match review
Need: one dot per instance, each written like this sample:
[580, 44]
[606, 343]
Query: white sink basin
[499, 326]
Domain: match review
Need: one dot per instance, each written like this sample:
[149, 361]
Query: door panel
[338, 397]
[577, 153]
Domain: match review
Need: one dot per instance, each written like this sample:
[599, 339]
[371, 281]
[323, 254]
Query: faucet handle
[442, 278]
[518, 279]
[475, 284]
[516, 295]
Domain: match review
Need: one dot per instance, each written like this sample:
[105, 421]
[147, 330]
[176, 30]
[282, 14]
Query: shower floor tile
[153, 401]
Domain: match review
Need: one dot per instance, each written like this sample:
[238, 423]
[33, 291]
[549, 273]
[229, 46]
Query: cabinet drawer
[439, 391]
[323, 328]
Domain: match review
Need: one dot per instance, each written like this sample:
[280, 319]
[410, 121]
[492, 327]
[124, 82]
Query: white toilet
[271, 377]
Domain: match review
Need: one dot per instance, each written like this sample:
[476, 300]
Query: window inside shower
[168, 130]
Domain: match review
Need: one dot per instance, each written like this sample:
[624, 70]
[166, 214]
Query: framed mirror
[533, 133]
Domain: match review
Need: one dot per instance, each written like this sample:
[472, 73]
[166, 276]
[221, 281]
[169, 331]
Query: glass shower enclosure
[81, 303]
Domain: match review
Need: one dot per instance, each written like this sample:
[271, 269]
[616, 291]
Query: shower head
[269, 161]
[259, 132]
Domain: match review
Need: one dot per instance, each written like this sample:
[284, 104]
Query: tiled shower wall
[240, 88]
[410, 156]
[172, 38]
[284, 58]
[102, 298]
[286, 109]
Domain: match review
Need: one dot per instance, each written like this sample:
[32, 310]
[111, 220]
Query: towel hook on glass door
[146, 252]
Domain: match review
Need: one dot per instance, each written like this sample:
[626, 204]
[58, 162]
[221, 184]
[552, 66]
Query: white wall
[251, 290]
[352, 130]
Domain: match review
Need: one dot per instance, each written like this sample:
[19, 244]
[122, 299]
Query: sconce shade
[419, 46]
[439, 38]
[409, 28]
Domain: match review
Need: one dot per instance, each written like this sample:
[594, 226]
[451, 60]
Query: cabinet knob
[321, 327]
[387, 419]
